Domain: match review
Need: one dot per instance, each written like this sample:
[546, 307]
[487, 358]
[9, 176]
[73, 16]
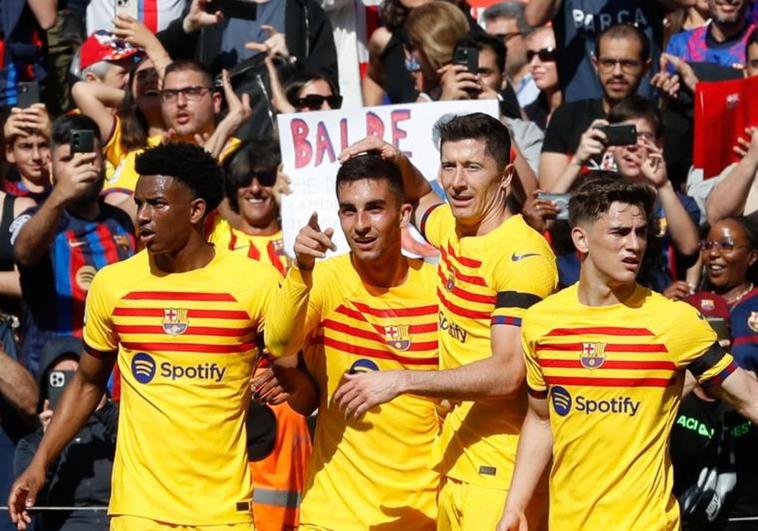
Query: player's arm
[418, 191]
[741, 390]
[540, 12]
[17, 386]
[535, 448]
[289, 317]
[287, 381]
[78, 402]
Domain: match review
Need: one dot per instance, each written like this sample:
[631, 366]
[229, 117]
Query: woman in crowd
[541, 54]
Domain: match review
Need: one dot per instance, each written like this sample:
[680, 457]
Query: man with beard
[62, 243]
[722, 41]
[621, 61]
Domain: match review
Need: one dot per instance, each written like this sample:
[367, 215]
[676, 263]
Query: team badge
[593, 355]
[752, 321]
[707, 305]
[397, 337]
[122, 241]
[450, 282]
[278, 246]
[175, 321]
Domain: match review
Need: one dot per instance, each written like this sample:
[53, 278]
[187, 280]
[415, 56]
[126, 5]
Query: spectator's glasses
[725, 247]
[191, 93]
[314, 102]
[265, 178]
[546, 55]
[505, 37]
[627, 65]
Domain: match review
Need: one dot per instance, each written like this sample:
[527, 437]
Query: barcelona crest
[397, 337]
[175, 321]
[752, 321]
[450, 282]
[593, 355]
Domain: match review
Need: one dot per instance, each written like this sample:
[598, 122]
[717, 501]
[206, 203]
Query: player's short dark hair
[66, 123]
[625, 31]
[636, 107]
[188, 163]
[481, 126]
[194, 66]
[371, 166]
[253, 158]
[595, 196]
[751, 39]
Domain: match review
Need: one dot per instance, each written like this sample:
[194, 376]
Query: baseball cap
[104, 46]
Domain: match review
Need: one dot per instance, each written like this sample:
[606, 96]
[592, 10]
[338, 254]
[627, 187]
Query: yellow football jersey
[185, 344]
[613, 376]
[484, 281]
[269, 249]
[375, 472]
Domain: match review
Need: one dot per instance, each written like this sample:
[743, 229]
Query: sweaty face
[727, 11]
[257, 204]
[489, 71]
[545, 73]
[472, 181]
[615, 243]
[619, 66]
[727, 267]
[371, 216]
[31, 155]
[188, 114]
[164, 209]
[629, 158]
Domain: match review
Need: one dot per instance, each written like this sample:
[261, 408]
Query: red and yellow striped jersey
[268, 249]
[613, 376]
[185, 344]
[484, 281]
[376, 471]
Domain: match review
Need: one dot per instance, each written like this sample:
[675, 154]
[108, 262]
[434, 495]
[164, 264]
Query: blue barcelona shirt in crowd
[55, 288]
[698, 46]
[744, 322]
[22, 44]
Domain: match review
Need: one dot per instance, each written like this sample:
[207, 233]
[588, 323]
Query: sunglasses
[546, 55]
[314, 102]
[727, 247]
[265, 178]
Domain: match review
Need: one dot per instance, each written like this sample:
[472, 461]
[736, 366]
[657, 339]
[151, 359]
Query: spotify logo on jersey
[561, 400]
[143, 367]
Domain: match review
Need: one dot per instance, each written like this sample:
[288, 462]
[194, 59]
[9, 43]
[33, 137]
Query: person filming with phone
[60, 245]
[81, 477]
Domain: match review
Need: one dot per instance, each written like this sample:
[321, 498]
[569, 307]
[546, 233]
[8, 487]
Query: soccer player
[181, 320]
[493, 266]
[369, 310]
[606, 361]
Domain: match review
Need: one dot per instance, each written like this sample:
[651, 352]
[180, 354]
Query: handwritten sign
[312, 141]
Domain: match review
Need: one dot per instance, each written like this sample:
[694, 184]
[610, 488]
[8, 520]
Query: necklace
[738, 298]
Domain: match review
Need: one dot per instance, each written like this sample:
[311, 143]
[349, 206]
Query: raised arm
[76, 405]
[728, 197]
[18, 387]
[96, 101]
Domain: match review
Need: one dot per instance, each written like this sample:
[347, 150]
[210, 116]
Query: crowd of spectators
[565, 73]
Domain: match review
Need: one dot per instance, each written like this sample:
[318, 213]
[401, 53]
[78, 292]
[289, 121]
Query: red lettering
[374, 125]
[398, 134]
[323, 144]
[303, 149]
[343, 134]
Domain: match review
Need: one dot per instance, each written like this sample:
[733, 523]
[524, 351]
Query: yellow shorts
[466, 507]
[136, 523]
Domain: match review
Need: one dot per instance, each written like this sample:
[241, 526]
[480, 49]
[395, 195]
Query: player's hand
[653, 168]
[748, 146]
[312, 243]
[275, 44]
[363, 391]
[538, 211]
[134, 32]
[278, 95]
[24, 493]
[197, 17]
[458, 83]
[46, 415]
[23, 122]
[239, 107]
[592, 142]
[267, 388]
[678, 290]
[372, 143]
[512, 521]
[77, 178]
[282, 186]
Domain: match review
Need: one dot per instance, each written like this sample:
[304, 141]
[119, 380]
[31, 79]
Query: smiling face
[145, 86]
[545, 73]
[474, 185]
[256, 201]
[613, 244]
[727, 11]
[372, 216]
[727, 269]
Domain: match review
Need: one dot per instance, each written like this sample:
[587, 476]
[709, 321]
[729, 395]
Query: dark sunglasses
[546, 55]
[266, 178]
[315, 101]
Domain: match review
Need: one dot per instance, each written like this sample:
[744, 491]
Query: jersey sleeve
[435, 223]
[523, 279]
[114, 149]
[268, 279]
[99, 335]
[535, 380]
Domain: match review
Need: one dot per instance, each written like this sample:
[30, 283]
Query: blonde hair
[435, 28]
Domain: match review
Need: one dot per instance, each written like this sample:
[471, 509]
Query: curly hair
[594, 197]
[188, 163]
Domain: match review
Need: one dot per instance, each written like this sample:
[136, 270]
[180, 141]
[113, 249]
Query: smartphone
[128, 7]
[56, 384]
[562, 200]
[620, 134]
[28, 94]
[82, 141]
[244, 9]
[467, 56]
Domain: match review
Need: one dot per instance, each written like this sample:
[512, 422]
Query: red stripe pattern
[609, 382]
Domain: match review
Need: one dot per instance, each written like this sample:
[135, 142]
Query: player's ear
[508, 172]
[198, 209]
[753, 257]
[405, 214]
[579, 237]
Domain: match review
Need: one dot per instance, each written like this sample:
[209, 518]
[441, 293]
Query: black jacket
[307, 30]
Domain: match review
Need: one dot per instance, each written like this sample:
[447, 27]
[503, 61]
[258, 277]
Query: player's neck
[268, 229]
[390, 271]
[723, 32]
[491, 221]
[596, 291]
[197, 254]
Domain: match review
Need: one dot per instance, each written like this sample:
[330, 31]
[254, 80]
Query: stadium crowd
[579, 352]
